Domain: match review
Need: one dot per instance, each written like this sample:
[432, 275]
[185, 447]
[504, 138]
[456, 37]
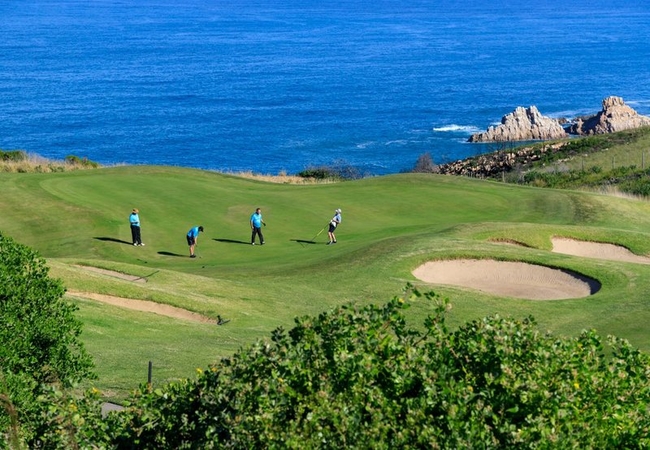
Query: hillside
[78, 220]
[616, 162]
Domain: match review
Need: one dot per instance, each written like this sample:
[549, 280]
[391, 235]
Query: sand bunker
[596, 250]
[145, 306]
[508, 279]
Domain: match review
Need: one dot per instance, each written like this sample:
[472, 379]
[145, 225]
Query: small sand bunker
[508, 279]
[145, 306]
[596, 250]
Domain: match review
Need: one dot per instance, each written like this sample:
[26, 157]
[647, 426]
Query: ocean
[272, 87]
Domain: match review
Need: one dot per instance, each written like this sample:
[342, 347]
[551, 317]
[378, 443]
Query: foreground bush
[361, 378]
[354, 377]
[40, 346]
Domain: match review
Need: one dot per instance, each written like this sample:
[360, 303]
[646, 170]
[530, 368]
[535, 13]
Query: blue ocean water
[274, 86]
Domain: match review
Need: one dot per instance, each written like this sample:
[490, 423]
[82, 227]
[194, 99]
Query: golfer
[192, 237]
[256, 226]
[134, 220]
[336, 220]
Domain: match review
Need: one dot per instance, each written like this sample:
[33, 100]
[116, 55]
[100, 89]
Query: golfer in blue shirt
[134, 220]
[192, 237]
[256, 226]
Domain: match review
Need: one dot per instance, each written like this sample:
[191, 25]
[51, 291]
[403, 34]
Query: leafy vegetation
[21, 162]
[84, 162]
[39, 338]
[13, 155]
[601, 162]
[339, 170]
[360, 377]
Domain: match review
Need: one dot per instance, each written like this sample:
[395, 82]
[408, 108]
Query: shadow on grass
[110, 239]
[231, 241]
[302, 241]
[170, 254]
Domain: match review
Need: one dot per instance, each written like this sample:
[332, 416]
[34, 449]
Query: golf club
[147, 276]
[318, 234]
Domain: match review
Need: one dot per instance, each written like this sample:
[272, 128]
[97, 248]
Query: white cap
[338, 211]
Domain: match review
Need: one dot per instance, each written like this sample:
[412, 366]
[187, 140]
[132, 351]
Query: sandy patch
[596, 250]
[508, 279]
[145, 306]
[113, 273]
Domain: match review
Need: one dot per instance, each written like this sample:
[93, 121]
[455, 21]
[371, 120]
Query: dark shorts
[332, 228]
[191, 240]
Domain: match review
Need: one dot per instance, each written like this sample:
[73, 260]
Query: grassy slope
[390, 225]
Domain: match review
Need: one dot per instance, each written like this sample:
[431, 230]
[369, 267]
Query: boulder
[523, 124]
[615, 116]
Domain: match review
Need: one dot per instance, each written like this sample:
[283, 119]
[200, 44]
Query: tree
[39, 337]
[425, 164]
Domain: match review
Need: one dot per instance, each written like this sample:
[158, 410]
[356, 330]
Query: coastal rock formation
[523, 124]
[615, 116]
[491, 164]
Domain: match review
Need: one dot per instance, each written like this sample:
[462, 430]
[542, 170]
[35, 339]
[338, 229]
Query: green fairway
[390, 225]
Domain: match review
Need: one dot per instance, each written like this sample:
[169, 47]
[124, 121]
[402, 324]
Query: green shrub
[84, 162]
[361, 378]
[39, 337]
[339, 170]
[13, 155]
[318, 173]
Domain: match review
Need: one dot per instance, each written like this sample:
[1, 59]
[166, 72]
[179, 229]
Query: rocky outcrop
[491, 164]
[523, 124]
[615, 116]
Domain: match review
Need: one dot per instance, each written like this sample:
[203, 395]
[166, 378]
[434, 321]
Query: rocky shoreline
[528, 124]
[492, 164]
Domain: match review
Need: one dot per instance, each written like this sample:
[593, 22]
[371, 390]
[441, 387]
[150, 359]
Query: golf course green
[391, 225]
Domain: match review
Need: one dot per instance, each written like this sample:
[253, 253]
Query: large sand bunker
[508, 279]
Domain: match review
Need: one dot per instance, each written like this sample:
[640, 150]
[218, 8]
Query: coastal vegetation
[41, 347]
[494, 360]
[362, 378]
[22, 162]
[614, 163]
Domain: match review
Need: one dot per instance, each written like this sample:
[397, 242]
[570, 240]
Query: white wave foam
[457, 128]
[572, 113]
[640, 105]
